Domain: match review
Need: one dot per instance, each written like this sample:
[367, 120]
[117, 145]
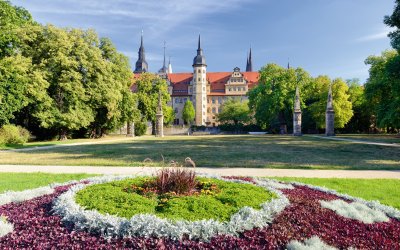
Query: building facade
[207, 90]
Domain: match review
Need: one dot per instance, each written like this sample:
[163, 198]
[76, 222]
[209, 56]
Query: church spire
[164, 68]
[169, 66]
[249, 65]
[141, 64]
[200, 59]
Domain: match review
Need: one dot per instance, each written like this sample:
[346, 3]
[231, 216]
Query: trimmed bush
[140, 128]
[12, 135]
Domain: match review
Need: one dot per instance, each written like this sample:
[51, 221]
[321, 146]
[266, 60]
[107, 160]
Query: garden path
[363, 174]
[357, 141]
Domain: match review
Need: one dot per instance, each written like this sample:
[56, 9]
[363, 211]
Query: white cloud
[155, 16]
[376, 36]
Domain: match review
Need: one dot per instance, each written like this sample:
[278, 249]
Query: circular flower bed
[150, 225]
[312, 217]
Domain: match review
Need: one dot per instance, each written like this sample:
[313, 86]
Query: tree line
[368, 108]
[66, 81]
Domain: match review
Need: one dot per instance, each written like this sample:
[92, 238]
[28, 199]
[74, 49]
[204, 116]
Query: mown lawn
[35, 144]
[22, 181]
[267, 151]
[387, 191]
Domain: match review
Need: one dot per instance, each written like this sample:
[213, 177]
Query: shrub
[11, 134]
[177, 180]
[140, 128]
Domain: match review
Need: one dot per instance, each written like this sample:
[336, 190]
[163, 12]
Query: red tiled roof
[180, 77]
[217, 80]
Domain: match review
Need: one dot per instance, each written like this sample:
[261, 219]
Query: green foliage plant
[114, 198]
[140, 128]
[188, 113]
[13, 135]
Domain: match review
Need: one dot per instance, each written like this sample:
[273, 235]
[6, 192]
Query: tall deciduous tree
[147, 88]
[272, 100]
[11, 19]
[383, 89]
[234, 112]
[361, 122]
[188, 113]
[394, 22]
[341, 102]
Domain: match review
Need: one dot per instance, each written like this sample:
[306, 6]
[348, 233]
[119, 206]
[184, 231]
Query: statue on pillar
[330, 115]
[297, 115]
[159, 118]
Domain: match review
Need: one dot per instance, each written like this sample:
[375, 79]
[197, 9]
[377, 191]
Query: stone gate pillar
[297, 115]
[159, 118]
[330, 115]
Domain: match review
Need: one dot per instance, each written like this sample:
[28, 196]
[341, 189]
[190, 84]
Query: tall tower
[249, 65]
[141, 64]
[330, 115]
[297, 114]
[199, 86]
[169, 66]
[164, 69]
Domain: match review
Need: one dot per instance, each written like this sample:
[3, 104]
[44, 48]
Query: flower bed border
[388, 210]
[148, 225]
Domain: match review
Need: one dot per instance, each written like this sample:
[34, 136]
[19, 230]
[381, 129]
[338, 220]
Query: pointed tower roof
[288, 64]
[297, 107]
[141, 63]
[164, 68]
[169, 66]
[249, 65]
[329, 104]
[199, 59]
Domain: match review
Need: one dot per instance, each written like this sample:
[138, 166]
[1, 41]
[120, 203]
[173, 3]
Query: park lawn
[22, 181]
[386, 191]
[34, 144]
[384, 138]
[267, 151]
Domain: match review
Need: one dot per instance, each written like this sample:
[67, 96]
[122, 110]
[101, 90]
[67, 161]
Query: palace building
[207, 90]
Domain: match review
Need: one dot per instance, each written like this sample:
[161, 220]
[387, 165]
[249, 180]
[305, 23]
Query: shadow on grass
[220, 151]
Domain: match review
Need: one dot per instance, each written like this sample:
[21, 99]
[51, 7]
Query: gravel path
[357, 141]
[364, 174]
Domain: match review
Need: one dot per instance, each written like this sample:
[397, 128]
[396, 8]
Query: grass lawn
[386, 191]
[267, 151]
[56, 142]
[22, 181]
[372, 138]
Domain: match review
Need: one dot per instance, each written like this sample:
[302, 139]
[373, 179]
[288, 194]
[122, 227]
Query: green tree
[341, 102]
[273, 98]
[14, 82]
[169, 115]
[382, 89]
[361, 120]
[394, 22]
[234, 112]
[147, 87]
[11, 19]
[188, 112]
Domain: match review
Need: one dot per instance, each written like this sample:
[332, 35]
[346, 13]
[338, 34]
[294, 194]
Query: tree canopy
[235, 112]
[383, 88]
[188, 113]
[272, 99]
[394, 22]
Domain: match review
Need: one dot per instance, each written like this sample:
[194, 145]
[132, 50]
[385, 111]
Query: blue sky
[329, 37]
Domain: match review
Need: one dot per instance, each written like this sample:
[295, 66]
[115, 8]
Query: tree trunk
[153, 127]
[283, 124]
[63, 135]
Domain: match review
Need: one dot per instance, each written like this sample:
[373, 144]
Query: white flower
[5, 227]
[355, 210]
[313, 243]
